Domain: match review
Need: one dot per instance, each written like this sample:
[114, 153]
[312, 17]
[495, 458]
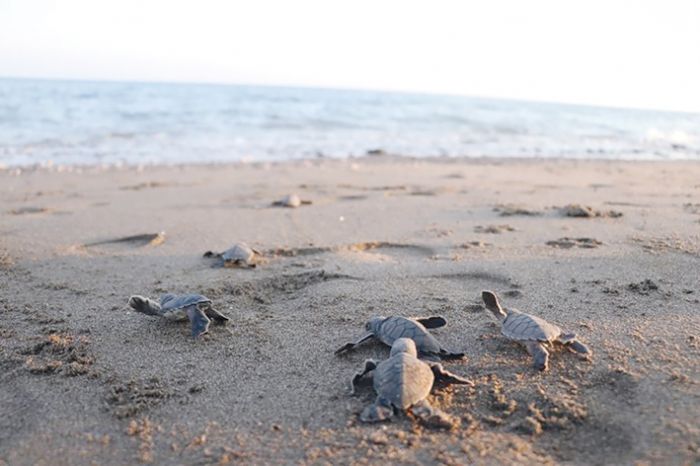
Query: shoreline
[389, 158]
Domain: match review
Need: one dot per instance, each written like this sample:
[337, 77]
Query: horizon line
[348, 89]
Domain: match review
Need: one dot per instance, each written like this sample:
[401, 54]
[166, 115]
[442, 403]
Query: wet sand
[609, 250]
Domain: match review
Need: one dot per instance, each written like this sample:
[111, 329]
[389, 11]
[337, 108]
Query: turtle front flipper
[370, 365]
[198, 319]
[570, 341]
[145, 306]
[432, 321]
[432, 417]
[352, 346]
[218, 317]
[446, 377]
[449, 355]
[378, 411]
[539, 354]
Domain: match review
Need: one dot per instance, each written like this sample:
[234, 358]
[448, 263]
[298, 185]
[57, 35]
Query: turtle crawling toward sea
[403, 382]
[532, 332]
[389, 329]
[291, 200]
[238, 255]
[195, 307]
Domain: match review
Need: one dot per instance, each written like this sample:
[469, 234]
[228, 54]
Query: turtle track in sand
[265, 290]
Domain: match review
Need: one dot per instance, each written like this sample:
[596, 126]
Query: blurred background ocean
[46, 122]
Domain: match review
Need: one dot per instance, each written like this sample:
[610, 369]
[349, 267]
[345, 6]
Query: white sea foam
[45, 122]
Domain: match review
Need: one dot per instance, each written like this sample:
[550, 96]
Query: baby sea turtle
[195, 307]
[403, 382]
[290, 200]
[389, 329]
[532, 332]
[239, 255]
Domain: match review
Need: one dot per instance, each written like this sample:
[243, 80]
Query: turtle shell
[240, 252]
[290, 200]
[403, 380]
[174, 306]
[397, 327]
[525, 327]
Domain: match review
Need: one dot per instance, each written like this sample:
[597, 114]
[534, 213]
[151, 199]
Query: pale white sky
[636, 53]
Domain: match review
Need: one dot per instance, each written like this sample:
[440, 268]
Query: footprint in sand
[508, 210]
[29, 210]
[383, 250]
[584, 211]
[146, 239]
[146, 185]
[493, 229]
[567, 243]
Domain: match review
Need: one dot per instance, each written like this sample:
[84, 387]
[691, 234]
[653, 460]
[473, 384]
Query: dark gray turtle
[290, 200]
[403, 382]
[238, 255]
[389, 329]
[532, 332]
[195, 307]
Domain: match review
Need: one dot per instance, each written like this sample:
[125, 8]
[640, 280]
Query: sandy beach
[85, 380]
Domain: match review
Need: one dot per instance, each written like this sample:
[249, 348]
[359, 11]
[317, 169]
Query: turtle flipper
[145, 305]
[539, 354]
[370, 365]
[431, 416]
[569, 339]
[432, 321]
[444, 376]
[448, 355]
[378, 411]
[218, 317]
[198, 319]
[351, 346]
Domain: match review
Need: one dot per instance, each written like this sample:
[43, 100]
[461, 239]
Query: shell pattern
[173, 306]
[525, 327]
[403, 380]
[397, 327]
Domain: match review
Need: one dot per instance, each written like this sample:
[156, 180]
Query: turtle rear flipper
[378, 411]
[145, 306]
[432, 417]
[199, 320]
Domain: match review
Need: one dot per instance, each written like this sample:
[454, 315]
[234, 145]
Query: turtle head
[374, 324]
[404, 345]
[492, 304]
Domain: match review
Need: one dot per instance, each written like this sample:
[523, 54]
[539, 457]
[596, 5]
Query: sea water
[45, 122]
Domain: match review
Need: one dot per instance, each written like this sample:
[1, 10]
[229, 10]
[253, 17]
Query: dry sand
[85, 380]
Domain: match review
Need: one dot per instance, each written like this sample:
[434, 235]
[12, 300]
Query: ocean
[46, 122]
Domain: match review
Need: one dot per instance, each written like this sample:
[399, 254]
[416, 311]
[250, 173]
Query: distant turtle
[532, 332]
[290, 200]
[195, 307]
[238, 255]
[389, 329]
[403, 382]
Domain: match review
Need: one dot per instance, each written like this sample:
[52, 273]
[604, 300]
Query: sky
[627, 53]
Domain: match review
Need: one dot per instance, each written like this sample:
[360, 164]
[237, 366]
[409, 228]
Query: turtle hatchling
[389, 329]
[239, 255]
[195, 307]
[290, 200]
[532, 332]
[403, 382]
